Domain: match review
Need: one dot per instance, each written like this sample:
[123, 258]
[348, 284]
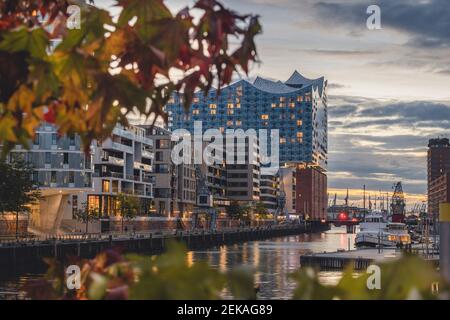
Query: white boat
[374, 231]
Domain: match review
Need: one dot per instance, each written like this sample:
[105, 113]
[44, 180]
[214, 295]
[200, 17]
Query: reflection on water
[272, 261]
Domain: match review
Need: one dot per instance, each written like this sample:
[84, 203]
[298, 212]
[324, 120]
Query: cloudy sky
[390, 88]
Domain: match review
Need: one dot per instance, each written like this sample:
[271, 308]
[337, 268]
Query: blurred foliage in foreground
[410, 277]
[111, 275]
[171, 276]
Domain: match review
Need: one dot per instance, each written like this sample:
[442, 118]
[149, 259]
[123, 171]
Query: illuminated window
[282, 140]
[282, 99]
[195, 111]
[299, 123]
[230, 106]
[229, 123]
[196, 100]
[308, 97]
[300, 98]
[105, 186]
[292, 105]
[282, 105]
[230, 112]
[238, 105]
[171, 100]
[212, 106]
[238, 122]
[265, 117]
[212, 111]
[274, 105]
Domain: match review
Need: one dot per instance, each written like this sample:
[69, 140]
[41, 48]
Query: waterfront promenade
[32, 251]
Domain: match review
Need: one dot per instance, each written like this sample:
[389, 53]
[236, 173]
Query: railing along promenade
[29, 250]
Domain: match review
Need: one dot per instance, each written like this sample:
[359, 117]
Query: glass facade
[297, 108]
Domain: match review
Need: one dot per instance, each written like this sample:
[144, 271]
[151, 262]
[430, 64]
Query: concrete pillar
[444, 246]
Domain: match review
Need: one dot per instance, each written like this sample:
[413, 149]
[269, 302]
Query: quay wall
[32, 253]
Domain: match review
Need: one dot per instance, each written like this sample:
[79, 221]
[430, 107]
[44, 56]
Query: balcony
[147, 154]
[117, 175]
[143, 166]
[113, 160]
[117, 146]
[124, 133]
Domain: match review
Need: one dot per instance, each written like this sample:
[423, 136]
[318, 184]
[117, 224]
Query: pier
[358, 259]
[31, 252]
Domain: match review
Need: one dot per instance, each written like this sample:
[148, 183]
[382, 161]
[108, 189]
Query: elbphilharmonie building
[296, 107]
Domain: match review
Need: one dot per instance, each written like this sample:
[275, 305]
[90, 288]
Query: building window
[274, 105]
[230, 106]
[66, 158]
[72, 140]
[53, 177]
[230, 111]
[159, 156]
[54, 138]
[300, 99]
[71, 177]
[265, 117]
[282, 140]
[229, 123]
[299, 123]
[238, 122]
[195, 111]
[74, 206]
[36, 139]
[196, 100]
[35, 177]
[105, 186]
[212, 112]
[162, 144]
[48, 157]
[212, 106]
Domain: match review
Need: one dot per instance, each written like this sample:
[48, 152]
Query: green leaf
[97, 289]
[34, 41]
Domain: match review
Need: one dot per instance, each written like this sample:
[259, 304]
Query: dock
[358, 259]
[31, 252]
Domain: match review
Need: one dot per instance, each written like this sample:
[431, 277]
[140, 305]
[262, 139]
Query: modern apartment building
[288, 184]
[296, 107]
[122, 164]
[312, 199]
[69, 179]
[438, 192]
[244, 173]
[438, 168]
[175, 185]
[63, 173]
[269, 186]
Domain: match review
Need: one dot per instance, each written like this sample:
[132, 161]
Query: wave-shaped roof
[294, 83]
[272, 86]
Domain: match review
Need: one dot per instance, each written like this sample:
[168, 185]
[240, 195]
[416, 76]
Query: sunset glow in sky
[389, 88]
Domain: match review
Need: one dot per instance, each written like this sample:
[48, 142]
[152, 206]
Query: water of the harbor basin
[272, 261]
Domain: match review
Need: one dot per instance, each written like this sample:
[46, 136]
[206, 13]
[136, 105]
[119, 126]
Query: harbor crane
[398, 204]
